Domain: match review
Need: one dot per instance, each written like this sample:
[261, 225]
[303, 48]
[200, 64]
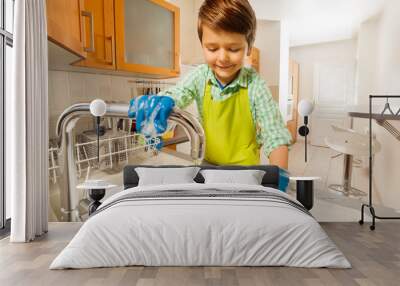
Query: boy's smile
[224, 52]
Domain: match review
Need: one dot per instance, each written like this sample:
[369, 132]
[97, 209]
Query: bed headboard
[270, 179]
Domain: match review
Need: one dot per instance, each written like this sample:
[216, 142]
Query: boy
[236, 108]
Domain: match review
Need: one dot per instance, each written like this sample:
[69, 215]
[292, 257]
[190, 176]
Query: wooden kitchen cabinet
[64, 25]
[254, 59]
[147, 37]
[123, 36]
[99, 33]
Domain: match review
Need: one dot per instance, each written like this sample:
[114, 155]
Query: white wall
[284, 69]
[274, 60]
[379, 73]
[389, 49]
[367, 60]
[307, 57]
[268, 41]
[378, 53]
[191, 51]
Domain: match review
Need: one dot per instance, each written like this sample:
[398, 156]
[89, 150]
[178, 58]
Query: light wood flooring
[374, 255]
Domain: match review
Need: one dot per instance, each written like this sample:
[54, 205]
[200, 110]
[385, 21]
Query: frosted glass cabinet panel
[146, 42]
[147, 37]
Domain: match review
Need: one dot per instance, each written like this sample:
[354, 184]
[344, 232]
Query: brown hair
[236, 16]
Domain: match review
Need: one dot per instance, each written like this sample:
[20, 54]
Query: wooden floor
[375, 257]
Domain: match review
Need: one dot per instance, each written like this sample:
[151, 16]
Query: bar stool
[349, 143]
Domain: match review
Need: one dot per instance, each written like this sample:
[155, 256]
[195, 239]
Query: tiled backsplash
[67, 88]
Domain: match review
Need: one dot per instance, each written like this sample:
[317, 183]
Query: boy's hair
[236, 16]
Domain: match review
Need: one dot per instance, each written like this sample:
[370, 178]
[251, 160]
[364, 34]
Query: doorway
[333, 94]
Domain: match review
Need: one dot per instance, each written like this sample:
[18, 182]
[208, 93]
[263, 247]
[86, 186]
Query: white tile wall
[120, 89]
[77, 87]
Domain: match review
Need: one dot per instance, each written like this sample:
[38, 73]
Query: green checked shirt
[271, 130]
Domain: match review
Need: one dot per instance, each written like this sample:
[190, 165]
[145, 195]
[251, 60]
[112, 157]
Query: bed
[201, 224]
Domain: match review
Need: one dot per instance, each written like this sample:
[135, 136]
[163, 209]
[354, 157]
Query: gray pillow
[163, 176]
[247, 177]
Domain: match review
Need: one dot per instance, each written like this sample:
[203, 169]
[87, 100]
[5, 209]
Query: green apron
[229, 130]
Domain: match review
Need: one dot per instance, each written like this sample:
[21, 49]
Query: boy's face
[224, 52]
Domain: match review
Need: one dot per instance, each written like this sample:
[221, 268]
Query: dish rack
[53, 161]
[115, 149]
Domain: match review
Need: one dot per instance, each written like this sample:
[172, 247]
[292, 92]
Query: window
[6, 65]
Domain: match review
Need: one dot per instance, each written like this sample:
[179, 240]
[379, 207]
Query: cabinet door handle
[110, 60]
[91, 19]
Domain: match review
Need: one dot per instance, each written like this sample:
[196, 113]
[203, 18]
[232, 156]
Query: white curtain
[27, 124]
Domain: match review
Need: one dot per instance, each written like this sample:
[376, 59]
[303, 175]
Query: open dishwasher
[73, 155]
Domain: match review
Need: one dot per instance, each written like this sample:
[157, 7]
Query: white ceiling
[316, 21]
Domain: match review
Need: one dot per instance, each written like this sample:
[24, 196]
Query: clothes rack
[382, 120]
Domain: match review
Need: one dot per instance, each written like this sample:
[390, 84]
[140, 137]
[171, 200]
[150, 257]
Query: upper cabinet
[99, 34]
[147, 37]
[64, 25]
[124, 36]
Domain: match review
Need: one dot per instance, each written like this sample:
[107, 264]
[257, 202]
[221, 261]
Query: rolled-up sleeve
[186, 90]
[271, 129]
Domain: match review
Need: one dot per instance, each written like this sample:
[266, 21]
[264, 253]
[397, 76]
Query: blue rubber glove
[161, 120]
[151, 113]
[137, 108]
[283, 179]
